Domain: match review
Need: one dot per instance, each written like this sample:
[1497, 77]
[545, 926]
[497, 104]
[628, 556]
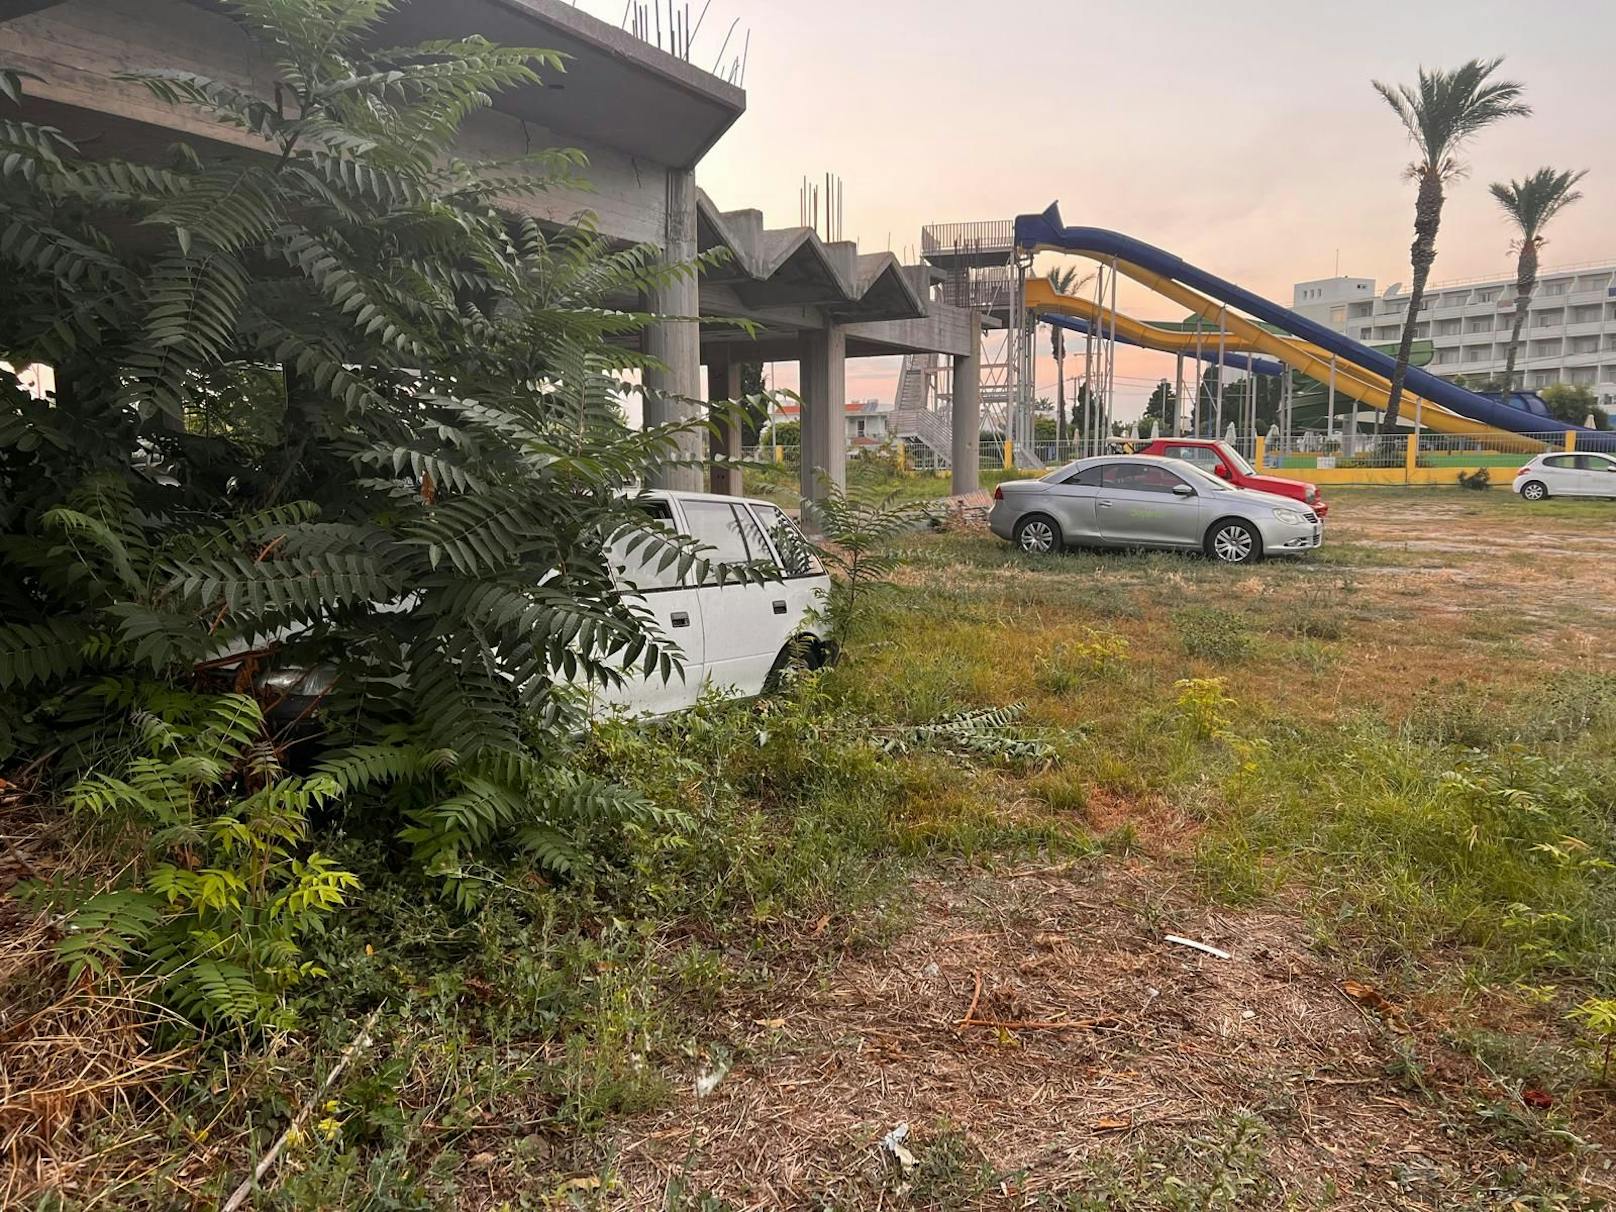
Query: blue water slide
[1234, 361]
[1046, 231]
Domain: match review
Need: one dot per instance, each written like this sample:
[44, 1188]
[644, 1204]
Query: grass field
[1380, 780]
[1392, 810]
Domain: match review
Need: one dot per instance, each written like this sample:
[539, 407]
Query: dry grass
[80, 1077]
[1169, 1043]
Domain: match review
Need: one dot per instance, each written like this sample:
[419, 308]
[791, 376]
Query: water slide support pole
[1111, 359]
[1196, 419]
[1088, 364]
[1217, 416]
[1419, 401]
[1329, 416]
[1178, 396]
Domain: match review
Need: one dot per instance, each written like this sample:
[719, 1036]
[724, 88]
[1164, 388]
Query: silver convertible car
[1142, 501]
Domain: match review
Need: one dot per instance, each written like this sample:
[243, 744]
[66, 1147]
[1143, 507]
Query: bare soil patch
[1110, 1040]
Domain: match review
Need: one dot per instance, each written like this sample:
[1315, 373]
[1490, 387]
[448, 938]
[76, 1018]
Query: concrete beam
[78, 50]
[673, 390]
[965, 445]
[944, 329]
[824, 408]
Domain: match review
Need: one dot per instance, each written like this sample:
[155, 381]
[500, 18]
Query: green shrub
[324, 382]
[1213, 633]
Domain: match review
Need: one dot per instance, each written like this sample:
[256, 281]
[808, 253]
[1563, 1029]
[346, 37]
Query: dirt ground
[1091, 1038]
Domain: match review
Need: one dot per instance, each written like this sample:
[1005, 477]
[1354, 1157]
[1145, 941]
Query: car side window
[796, 554]
[1199, 456]
[1561, 462]
[642, 568]
[757, 547]
[1594, 463]
[1089, 477]
[1140, 477]
[715, 525]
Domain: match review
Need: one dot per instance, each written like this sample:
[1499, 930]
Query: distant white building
[1331, 301]
[1570, 336]
[869, 422]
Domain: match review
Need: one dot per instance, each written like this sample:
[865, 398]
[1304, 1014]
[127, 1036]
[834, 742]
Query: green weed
[1074, 663]
[1213, 633]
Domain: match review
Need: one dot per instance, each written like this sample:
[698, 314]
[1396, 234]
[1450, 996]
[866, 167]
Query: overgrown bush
[333, 435]
[1213, 633]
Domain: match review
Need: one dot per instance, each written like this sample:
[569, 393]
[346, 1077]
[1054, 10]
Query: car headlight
[1289, 516]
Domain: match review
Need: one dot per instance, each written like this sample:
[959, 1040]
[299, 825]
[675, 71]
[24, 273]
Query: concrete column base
[965, 452]
[824, 412]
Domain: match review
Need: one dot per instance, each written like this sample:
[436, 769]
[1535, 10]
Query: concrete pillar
[824, 411]
[724, 383]
[965, 452]
[674, 392]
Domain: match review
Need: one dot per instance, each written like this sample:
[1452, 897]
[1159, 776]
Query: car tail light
[998, 493]
[1524, 470]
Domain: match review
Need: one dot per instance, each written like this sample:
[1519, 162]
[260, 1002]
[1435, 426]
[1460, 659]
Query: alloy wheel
[1037, 537]
[1232, 544]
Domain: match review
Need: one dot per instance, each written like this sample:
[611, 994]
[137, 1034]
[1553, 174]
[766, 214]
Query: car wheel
[1233, 542]
[801, 654]
[1534, 490]
[1038, 535]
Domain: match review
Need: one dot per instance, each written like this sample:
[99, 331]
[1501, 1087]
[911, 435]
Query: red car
[1227, 463]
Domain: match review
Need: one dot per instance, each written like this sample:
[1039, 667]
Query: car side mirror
[1183, 490]
[1223, 472]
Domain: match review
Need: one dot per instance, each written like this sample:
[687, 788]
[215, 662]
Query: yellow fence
[1410, 473]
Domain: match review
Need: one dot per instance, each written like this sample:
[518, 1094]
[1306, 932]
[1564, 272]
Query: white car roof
[670, 494]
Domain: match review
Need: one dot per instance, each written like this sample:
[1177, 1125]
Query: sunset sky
[1243, 136]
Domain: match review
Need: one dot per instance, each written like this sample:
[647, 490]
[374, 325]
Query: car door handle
[780, 607]
[1103, 504]
[679, 619]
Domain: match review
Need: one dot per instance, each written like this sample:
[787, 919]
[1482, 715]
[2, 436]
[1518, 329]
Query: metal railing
[990, 235]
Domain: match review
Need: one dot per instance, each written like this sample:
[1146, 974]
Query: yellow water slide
[1241, 335]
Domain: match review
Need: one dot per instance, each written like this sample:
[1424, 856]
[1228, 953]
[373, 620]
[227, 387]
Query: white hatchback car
[734, 635]
[1567, 475]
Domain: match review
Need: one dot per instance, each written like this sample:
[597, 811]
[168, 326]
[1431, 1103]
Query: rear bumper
[1002, 520]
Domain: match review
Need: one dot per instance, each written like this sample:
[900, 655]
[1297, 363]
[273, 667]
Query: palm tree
[1530, 204]
[1440, 115]
[1065, 281]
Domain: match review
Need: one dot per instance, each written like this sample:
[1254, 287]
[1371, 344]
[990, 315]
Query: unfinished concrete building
[644, 117]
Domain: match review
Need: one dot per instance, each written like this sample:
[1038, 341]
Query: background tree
[1441, 113]
[1530, 205]
[1080, 419]
[1066, 280]
[1206, 401]
[1160, 408]
[1574, 403]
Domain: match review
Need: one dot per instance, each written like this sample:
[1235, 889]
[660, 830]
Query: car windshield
[1237, 459]
[1203, 481]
